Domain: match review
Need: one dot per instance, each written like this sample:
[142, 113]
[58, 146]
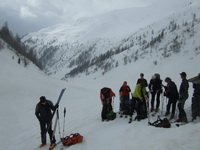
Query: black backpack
[105, 92]
[157, 75]
[162, 123]
[141, 109]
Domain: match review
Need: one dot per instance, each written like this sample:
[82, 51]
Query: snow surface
[21, 88]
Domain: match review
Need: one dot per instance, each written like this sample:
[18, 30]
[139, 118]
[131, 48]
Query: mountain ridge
[92, 44]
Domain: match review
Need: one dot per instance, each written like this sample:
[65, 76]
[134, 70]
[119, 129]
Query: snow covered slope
[114, 39]
[22, 86]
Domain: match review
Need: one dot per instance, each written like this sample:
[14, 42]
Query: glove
[56, 106]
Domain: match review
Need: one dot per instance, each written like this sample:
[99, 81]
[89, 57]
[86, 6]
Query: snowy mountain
[114, 39]
[22, 86]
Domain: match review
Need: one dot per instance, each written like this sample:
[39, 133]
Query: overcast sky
[24, 16]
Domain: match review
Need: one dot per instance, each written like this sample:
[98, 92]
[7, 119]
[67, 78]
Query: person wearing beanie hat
[43, 112]
[171, 92]
[124, 93]
[42, 99]
[183, 96]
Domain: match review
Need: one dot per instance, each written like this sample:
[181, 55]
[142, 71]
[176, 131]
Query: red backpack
[72, 139]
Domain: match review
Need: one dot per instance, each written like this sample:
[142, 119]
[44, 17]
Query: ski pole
[162, 104]
[148, 109]
[58, 124]
[113, 103]
[64, 121]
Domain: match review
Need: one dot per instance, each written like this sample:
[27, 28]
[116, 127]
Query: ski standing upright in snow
[57, 103]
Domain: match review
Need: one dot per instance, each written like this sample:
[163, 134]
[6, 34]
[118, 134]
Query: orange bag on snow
[72, 139]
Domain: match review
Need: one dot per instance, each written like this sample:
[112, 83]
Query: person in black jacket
[195, 97]
[183, 96]
[142, 79]
[172, 93]
[43, 112]
[155, 87]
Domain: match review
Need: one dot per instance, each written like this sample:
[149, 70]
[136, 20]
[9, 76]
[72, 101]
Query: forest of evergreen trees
[15, 43]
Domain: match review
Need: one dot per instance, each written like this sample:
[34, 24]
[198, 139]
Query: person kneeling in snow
[138, 101]
[106, 95]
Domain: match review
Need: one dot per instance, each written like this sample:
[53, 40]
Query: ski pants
[124, 104]
[43, 127]
[181, 104]
[153, 95]
[107, 106]
[132, 106]
[195, 106]
[172, 101]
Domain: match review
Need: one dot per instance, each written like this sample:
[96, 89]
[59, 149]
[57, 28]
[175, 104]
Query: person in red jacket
[106, 95]
[124, 98]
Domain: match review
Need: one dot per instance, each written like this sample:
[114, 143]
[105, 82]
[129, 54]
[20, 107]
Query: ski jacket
[139, 92]
[106, 94]
[124, 90]
[171, 90]
[44, 112]
[155, 84]
[140, 80]
[196, 92]
[183, 91]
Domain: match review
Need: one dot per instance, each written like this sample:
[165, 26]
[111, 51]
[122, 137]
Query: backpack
[105, 92]
[162, 123]
[157, 75]
[111, 115]
[72, 139]
[141, 110]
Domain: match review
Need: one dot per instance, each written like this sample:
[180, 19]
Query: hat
[125, 83]
[42, 99]
[183, 74]
[167, 79]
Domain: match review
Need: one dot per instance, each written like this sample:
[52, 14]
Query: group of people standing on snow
[139, 102]
[140, 98]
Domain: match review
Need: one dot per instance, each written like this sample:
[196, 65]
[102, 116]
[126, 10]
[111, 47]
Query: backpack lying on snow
[111, 115]
[72, 139]
[162, 123]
